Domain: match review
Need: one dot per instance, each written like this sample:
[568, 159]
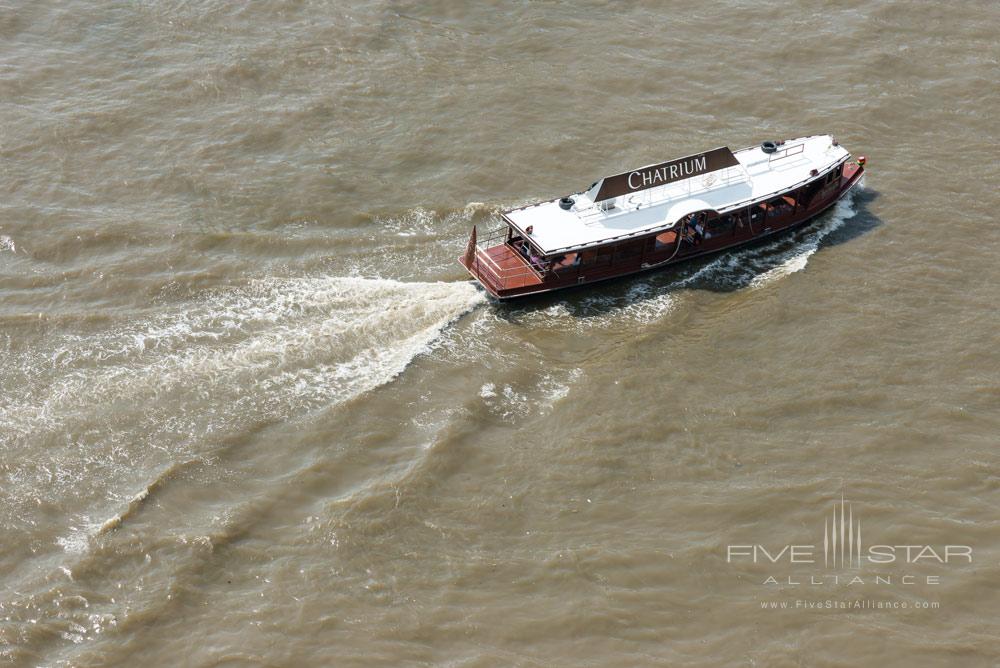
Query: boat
[659, 215]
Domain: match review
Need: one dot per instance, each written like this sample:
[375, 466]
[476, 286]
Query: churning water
[253, 412]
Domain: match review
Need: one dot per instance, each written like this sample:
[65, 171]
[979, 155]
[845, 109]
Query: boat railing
[786, 151]
[784, 189]
[479, 259]
[696, 185]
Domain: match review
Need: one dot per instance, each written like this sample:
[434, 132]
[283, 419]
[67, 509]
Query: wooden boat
[662, 214]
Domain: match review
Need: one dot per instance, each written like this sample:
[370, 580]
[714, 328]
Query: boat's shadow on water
[729, 271]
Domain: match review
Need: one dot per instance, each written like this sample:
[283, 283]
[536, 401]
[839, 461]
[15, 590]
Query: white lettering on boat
[667, 173]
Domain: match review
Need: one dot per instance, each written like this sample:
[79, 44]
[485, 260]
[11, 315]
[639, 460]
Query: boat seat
[666, 238]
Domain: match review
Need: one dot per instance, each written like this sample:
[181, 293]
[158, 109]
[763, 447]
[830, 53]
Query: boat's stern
[499, 267]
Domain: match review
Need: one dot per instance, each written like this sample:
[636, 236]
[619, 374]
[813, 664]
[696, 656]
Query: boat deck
[504, 268]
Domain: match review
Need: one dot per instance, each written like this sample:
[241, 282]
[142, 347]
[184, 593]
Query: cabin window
[775, 207]
[595, 258]
[721, 225]
[807, 193]
[629, 250]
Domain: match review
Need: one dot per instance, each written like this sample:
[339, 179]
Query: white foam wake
[158, 394]
[758, 266]
[274, 345]
[799, 258]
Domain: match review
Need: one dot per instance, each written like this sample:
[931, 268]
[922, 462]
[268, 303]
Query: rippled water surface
[254, 413]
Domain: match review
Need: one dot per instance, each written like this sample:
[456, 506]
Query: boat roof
[658, 196]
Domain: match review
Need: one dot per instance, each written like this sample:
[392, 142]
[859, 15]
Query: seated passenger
[565, 261]
[687, 232]
[697, 229]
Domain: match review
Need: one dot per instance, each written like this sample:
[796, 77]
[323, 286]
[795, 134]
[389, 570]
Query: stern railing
[479, 261]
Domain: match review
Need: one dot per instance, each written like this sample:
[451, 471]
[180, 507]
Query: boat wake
[760, 266]
[797, 260]
[102, 408]
[294, 341]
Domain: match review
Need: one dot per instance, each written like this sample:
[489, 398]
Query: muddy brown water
[253, 413]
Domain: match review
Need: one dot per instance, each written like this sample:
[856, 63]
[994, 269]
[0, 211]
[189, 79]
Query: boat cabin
[660, 214]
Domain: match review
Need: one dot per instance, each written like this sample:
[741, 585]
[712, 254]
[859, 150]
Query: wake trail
[782, 257]
[293, 342]
[99, 413]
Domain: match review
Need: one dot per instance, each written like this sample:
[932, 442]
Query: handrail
[787, 188]
[725, 209]
[480, 251]
[721, 178]
[785, 152]
[487, 272]
[492, 239]
[501, 275]
[745, 149]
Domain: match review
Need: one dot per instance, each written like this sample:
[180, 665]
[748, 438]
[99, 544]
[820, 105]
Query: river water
[254, 413]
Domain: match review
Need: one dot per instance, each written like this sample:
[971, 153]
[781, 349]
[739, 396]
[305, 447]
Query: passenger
[694, 228]
[703, 228]
[565, 261]
[687, 232]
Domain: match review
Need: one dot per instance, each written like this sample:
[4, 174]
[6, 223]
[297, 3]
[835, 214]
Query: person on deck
[537, 262]
[693, 228]
[699, 227]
